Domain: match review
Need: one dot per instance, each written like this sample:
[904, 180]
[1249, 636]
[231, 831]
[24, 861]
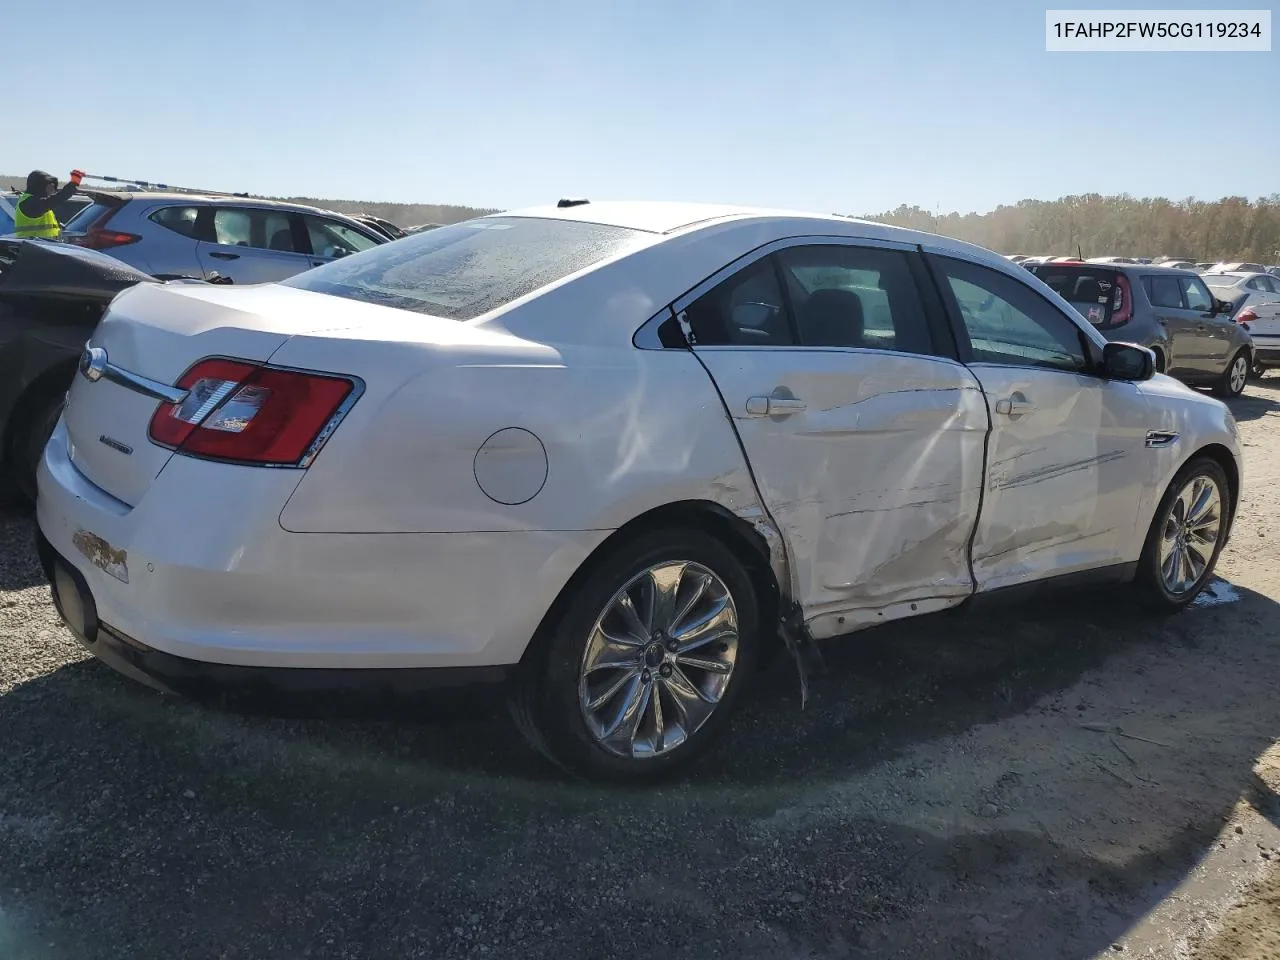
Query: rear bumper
[200, 577]
[168, 673]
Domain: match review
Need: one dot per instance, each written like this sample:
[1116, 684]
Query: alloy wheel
[1239, 373]
[658, 660]
[1190, 534]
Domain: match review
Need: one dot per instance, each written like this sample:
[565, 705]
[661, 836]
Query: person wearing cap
[34, 217]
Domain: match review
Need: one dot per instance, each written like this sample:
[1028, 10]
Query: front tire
[1186, 536]
[640, 669]
[1234, 377]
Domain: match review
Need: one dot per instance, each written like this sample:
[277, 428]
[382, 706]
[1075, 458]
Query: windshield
[1221, 280]
[462, 271]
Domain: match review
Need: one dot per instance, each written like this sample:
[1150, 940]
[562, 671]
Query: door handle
[774, 406]
[219, 255]
[1015, 406]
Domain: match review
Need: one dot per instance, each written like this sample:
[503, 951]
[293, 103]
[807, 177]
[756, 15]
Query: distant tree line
[1232, 228]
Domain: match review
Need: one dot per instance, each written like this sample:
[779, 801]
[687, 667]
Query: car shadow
[1254, 405]
[839, 829]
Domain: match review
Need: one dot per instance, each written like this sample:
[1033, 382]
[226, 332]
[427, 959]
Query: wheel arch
[747, 542]
[1225, 459]
[51, 382]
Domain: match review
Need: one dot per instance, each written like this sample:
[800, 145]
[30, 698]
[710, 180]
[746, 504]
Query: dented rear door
[866, 450]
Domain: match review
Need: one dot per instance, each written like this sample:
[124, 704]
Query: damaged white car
[607, 453]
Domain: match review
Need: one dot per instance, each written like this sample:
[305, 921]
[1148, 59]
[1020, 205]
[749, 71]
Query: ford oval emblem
[93, 363]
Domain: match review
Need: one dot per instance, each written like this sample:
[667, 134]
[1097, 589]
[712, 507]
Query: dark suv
[1170, 311]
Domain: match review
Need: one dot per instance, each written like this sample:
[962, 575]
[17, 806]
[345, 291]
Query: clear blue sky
[830, 105]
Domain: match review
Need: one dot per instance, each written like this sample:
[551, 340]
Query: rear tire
[1234, 377]
[31, 435]
[1177, 558]
[585, 694]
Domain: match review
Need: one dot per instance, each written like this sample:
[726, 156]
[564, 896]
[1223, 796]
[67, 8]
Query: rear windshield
[462, 271]
[87, 217]
[1089, 289]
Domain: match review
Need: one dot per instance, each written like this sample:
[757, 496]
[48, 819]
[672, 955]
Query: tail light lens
[243, 413]
[97, 238]
[1246, 317]
[1122, 302]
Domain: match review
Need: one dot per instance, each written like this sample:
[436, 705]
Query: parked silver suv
[1171, 311]
[240, 239]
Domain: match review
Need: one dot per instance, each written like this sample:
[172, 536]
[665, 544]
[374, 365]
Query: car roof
[667, 217]
[1125, 268]
[214, 199]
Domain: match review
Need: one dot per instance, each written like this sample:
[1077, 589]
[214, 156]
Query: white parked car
[1256, 297]
[602, 451]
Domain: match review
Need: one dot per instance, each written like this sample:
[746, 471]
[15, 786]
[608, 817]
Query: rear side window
[747, 309]
[87, 217]
[1163, 292]
[251, 227]
[850, 296]
[178, 219]
[465, 270]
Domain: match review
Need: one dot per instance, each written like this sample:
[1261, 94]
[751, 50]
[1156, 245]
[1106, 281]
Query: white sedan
[607, 453]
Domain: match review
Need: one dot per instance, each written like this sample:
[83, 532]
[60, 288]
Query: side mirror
[1225, 307]
[1128, 361]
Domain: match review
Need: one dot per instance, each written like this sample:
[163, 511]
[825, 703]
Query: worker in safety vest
[34, 217]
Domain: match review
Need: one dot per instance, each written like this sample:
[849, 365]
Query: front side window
[1196, 293]
[1009, 323]
[851, 296]
[462, 271]
[332, 239]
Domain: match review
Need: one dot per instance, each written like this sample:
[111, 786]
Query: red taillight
[1122, 305]
[248, 414]
[1246, 316]
[97, 238]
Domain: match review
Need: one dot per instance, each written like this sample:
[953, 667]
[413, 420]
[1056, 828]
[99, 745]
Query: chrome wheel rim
[658, 660]
[1190, 534]
[1239, 373]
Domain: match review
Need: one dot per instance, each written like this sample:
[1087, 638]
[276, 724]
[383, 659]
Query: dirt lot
[1065, 782]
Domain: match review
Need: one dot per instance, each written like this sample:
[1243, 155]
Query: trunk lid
[158, 331]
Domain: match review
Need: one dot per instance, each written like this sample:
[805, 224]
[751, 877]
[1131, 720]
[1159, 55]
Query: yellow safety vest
[44, 226]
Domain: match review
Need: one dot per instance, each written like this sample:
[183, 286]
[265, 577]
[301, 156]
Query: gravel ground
[1014, 784]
